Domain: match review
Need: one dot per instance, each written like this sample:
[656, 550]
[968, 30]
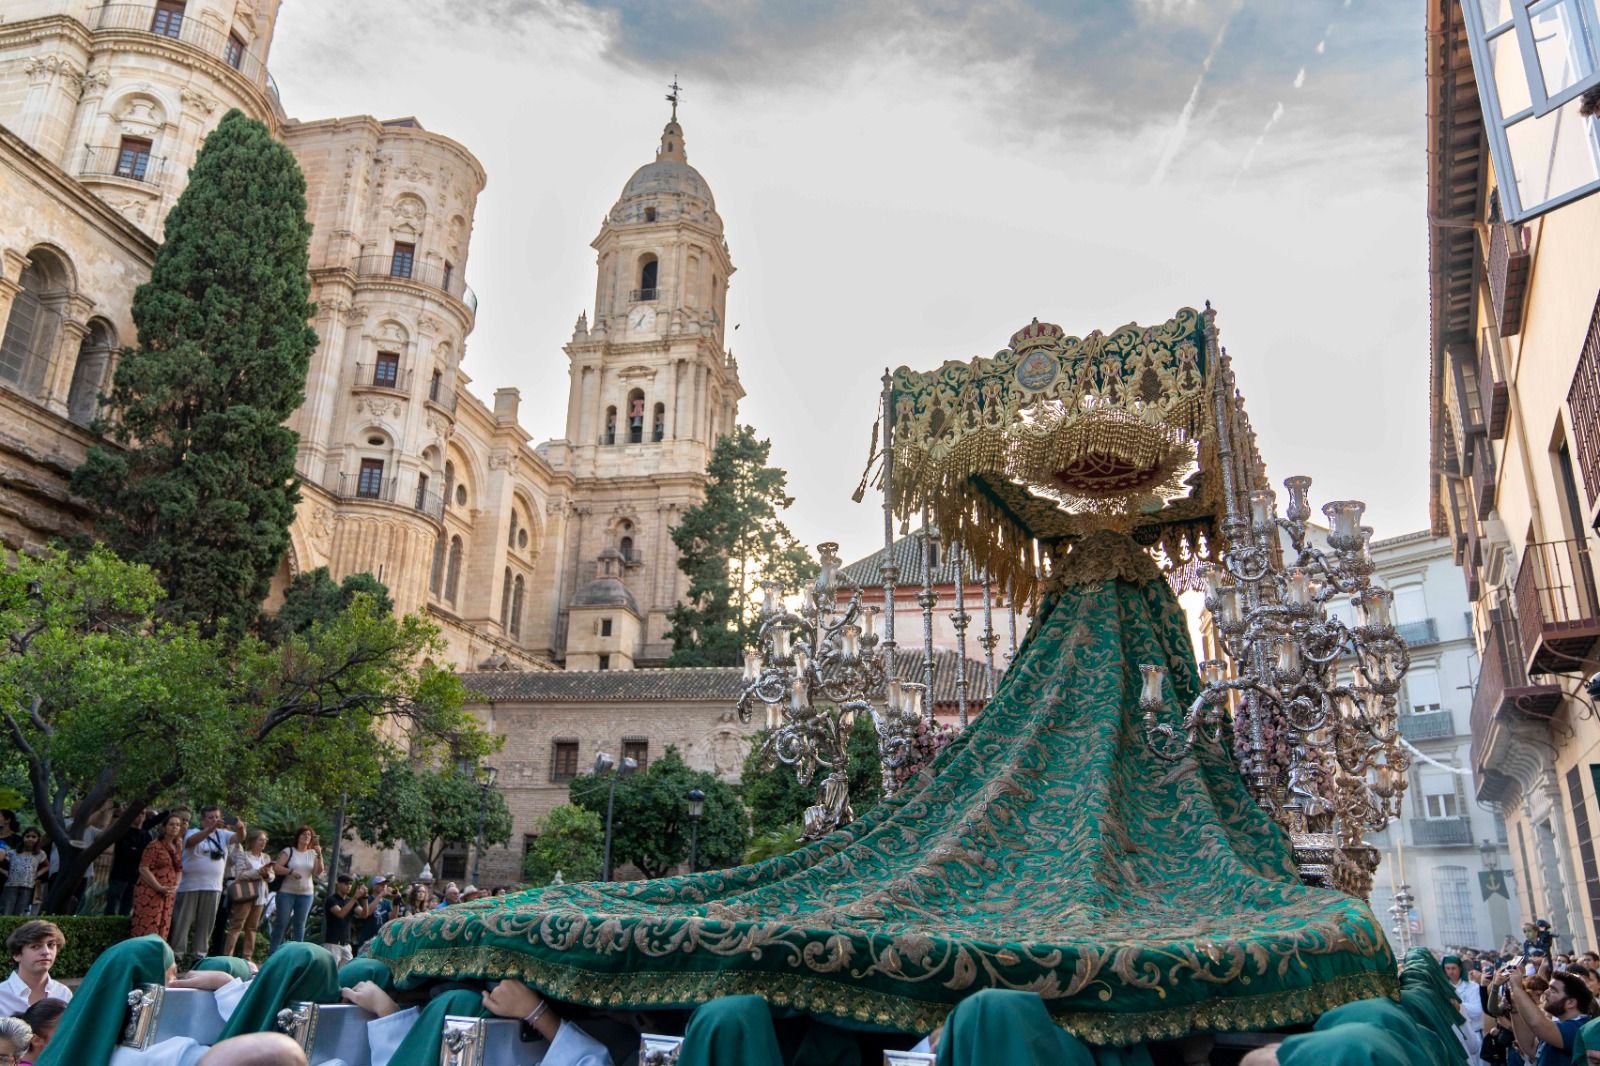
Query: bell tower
[651, 388]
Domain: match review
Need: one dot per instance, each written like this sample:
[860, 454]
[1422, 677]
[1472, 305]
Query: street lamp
[486, 776]
[602, 763]
[697, 802]
[1491, 855]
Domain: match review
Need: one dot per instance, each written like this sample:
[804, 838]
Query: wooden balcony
[1495, 395]
[1505, 694]
[1483, 475]
[1558, 614]
[1506, 268]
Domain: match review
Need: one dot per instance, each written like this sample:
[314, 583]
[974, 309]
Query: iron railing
[184, 28]
[1419, 634]
[108, 161]
[1502, 674]
[643, 295]
[429, 274]
[373, 376]
[356, 487]
[1483, 475]
[1583, 400]
[1557, 609]
[443, 396]
[1430, 726]
[1438, 832]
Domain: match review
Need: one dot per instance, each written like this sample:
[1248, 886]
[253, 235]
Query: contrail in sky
[1180, 131]
[1250, 156]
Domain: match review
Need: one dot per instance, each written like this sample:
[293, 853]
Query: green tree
[569, 841]
[776, 799]
[198, 483]
[315, 597]
[728, 544]
[650, 827]
[429, 808]
[101, 698]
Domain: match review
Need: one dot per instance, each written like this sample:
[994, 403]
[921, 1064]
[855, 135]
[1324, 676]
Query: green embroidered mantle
[1045, 850]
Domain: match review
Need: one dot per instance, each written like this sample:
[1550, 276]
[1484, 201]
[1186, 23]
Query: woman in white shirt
[298, 867]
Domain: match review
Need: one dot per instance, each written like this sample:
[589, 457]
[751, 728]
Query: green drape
[1395, 1020]
[1353, 1044]
[1588, 1040]
[422, 1041]
[729, 1031]
[231, 965]
[355, 971]
[1431, 1000]
[1009, 1027]
[92, 1023]
[295, 973]
[1047, 850]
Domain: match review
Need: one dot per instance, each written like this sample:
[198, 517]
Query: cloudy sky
[909, 181]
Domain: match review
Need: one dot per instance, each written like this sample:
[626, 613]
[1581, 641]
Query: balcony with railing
[405, 268]
[442, 396]
[385, 376]
[1441, 832]
[644, 295]
[1496, 395]
[185, 29]
[1583, 400]
[1483, 474]
[116, 161]
[1505, 695]
[1432, 725]
[1420, 633]
[1506, 269]
[378, 489]
[1557, 610]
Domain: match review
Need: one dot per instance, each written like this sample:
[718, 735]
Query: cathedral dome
[668, 177]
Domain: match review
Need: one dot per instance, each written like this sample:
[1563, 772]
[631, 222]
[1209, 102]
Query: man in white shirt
[33, 947]
[205, 860]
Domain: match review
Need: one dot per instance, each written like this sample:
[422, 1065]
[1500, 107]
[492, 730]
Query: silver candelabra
[1310, 701]
[816, 668]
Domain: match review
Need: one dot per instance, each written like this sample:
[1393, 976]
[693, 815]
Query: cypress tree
[728, 544]
[200, 485]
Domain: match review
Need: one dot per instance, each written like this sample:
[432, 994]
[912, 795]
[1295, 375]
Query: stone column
[75, 312]
[12, 264]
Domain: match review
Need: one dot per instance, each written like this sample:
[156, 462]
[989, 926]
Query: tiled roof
[908, 557]
[699, 683]
[596, 686]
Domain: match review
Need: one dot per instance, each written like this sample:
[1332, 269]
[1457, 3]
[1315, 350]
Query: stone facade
[1514, 369]
[405, 473]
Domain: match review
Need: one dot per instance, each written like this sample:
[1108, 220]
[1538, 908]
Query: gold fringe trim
[678, 990]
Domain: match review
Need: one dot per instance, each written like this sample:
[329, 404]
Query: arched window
[516, 607]
[452, 575]
[30, 336]
[511, 537]
[89, 372]
[659, 431]
[636, 416]
[505, 600]
[611, 425]
[625, 546]
[449, 481]
[648, 268]
[436, 578]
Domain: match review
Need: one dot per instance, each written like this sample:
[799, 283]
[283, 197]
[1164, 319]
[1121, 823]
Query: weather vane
[672, 97]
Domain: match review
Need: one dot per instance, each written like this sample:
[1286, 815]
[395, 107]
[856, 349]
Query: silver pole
[989, 639]
[888, 570]
[960, 619]
[928, 600]
[1011, 610]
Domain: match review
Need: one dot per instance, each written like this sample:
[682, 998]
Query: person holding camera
[348, 903]
[1546, 1027]
[205, 861]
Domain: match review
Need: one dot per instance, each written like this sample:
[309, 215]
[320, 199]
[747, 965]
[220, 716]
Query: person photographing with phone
[205, 860]
[1546, 1028]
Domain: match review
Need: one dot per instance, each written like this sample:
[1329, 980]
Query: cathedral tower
[651, 390]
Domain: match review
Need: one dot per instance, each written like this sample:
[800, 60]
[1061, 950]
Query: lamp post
[486, 776]
[602, 763]
[1491, 855]
[697, 803]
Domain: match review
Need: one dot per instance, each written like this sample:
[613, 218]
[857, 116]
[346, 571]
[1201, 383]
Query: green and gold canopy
[1055, 436]
[1045, 850]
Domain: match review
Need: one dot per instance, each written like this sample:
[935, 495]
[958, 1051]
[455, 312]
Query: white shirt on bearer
[14, 994]
[205, 859]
